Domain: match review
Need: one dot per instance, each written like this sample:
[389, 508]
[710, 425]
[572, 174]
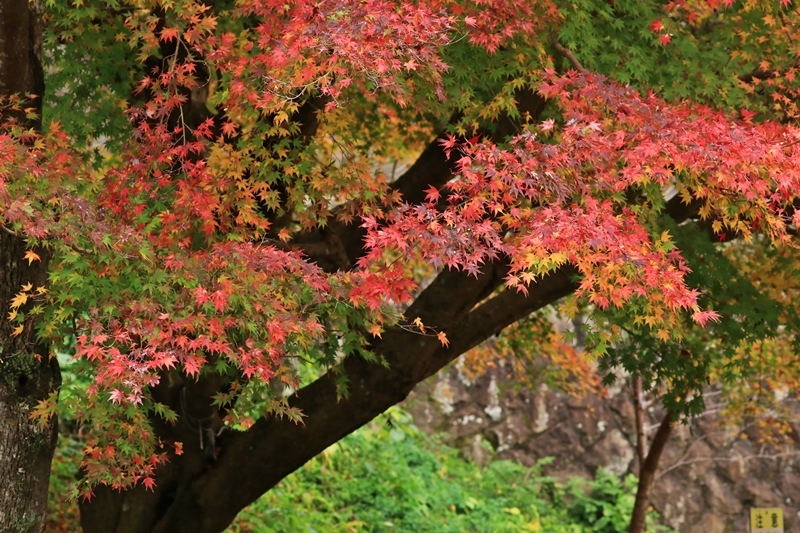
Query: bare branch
[567, 53]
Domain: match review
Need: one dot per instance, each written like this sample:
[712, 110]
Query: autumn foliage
[217, 184]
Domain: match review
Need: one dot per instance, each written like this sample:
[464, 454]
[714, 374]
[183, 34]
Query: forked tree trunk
[26, 374]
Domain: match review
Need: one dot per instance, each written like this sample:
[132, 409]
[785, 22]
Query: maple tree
[246, 228]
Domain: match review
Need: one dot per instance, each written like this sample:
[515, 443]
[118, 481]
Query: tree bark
[26, 377]
[648, 474]
[638, 409]
[20, 49]
[26, 373]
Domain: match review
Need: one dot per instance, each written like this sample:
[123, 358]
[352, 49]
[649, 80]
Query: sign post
[766, 520]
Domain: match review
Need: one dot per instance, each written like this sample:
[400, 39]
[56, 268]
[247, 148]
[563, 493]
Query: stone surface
[761, 493]
[613, 452]
[709, 476]
[720, 497]
[709, 523]
[789, 484]
[677, 503]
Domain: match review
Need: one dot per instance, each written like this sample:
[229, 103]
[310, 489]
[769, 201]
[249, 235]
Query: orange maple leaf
[31, 256]
[443, 339]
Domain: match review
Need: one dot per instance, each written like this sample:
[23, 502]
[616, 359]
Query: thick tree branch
[255, 461]
[499, 312]
[339, 245]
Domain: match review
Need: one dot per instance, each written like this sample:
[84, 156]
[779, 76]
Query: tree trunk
[648, 474]
[194, 495]
[26, 377]
[638, 409]
[26, 373]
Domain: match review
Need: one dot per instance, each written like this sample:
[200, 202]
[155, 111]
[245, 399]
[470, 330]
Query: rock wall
[709, 478]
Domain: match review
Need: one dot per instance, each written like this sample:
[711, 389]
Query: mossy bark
[27, 375]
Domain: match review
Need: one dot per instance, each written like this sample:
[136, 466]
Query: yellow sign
[766, 520]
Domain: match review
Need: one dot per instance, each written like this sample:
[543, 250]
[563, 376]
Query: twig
[684, 461]
[761, 455]
[566, 52]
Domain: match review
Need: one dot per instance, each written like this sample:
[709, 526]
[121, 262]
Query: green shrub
[391, 477]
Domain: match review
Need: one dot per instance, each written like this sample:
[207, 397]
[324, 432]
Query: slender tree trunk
[638, 409]
[26, 373]
[648, 474]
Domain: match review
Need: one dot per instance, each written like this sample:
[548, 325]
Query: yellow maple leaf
[18, 330]
[27, 287]
[19, 300]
